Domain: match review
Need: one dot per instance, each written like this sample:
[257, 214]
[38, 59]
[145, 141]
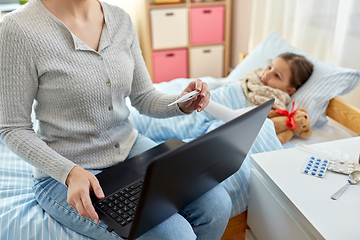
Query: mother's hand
[198, 103]
[80, 182]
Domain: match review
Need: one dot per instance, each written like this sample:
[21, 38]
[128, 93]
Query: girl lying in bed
[280, 79]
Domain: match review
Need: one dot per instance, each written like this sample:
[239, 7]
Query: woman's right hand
[80, 182]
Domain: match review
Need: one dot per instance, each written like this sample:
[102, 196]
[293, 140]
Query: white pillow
[326, 82]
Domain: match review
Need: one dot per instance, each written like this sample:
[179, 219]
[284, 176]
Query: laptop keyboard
[121, 205]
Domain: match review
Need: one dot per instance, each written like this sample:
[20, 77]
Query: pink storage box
[170, 64]
[207, 24]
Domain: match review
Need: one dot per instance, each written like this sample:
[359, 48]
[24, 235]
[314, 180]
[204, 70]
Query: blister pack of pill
[341, 166]
[315, 166]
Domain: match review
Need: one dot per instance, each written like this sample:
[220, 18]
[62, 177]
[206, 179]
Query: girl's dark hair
[301, 68]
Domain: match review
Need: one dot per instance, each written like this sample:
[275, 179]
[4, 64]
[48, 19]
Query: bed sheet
[22, 218]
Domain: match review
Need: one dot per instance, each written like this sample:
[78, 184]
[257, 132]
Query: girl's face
[277, 75]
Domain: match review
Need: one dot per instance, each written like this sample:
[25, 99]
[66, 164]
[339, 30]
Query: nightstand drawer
[270, 217]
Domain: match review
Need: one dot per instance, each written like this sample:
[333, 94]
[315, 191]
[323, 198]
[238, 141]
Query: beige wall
[2, 14]
[241, 15]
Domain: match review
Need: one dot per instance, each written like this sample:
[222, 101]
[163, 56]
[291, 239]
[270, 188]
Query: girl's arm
[224, 113]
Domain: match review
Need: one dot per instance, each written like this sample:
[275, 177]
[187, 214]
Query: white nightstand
[285, 203]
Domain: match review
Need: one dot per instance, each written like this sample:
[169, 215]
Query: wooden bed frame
[340, 111]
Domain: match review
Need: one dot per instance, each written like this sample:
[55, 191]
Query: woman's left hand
[198, 103]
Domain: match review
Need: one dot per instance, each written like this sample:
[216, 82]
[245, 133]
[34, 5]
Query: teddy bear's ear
[306, 134]
[302, 109]
[272, 114]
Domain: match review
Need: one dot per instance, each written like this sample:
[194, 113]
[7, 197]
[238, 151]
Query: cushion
[326, 82]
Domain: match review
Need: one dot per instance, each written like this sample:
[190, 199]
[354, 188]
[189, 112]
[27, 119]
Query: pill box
[341, 166]
[316, 166]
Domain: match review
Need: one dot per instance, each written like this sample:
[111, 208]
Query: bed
[22, 218]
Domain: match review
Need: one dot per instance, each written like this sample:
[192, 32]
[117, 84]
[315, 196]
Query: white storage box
[207, 61]
[169, 28]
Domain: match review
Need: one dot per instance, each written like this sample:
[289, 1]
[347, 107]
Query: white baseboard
[249, 235]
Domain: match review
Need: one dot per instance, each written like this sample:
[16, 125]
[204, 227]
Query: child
[279, 80]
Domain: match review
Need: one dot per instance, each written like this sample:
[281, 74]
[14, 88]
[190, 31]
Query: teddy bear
[289, 124]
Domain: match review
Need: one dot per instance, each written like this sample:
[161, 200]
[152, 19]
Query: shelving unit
[147, 38]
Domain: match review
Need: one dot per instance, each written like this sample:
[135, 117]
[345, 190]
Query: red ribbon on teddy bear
[290, 122]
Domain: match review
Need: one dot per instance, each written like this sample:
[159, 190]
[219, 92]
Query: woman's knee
[214, 206]
[220, 203]
[176, 227]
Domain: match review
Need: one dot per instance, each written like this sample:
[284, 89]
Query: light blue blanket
[22, 218]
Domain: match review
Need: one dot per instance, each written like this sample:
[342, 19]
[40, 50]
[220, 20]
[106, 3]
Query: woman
[79, 60]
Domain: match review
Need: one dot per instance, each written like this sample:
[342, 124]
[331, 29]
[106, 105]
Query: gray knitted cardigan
[78, 93]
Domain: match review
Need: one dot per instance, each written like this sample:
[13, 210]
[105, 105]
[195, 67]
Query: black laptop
[145, 190]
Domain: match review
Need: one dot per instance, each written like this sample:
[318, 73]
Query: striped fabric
[22, 218]
[326, 82]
